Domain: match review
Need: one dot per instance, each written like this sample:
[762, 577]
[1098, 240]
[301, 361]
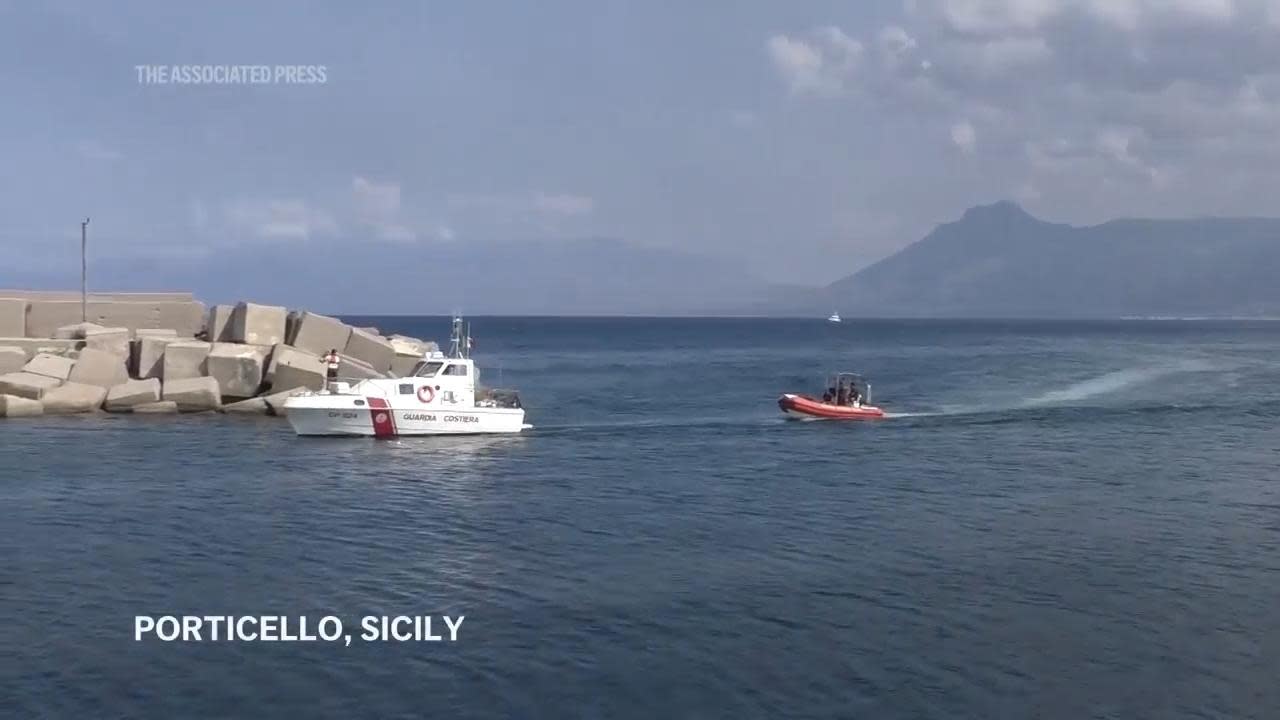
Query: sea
[1058, 519]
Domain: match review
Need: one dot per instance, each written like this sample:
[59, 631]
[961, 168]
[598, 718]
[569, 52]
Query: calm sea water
[1063, 520]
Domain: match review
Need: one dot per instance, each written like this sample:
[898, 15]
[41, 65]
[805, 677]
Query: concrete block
[54, 366]
[238, 368]
[131, 311]
[372, 349]
[112, 340]
[98, 367]
[275, 401]
[73, 397]
[34, 346]
[98, 296]
[252, 406]
[254, 324]
[185, 359]
[27, 385]
[293, 368]
[193, 394]
[218, 324]
[404, 363]
[353, 370]
[318, 334]
[128, 395]
[76, 331]
[148, 355]
[12, 358]
[13, 317]
[164, 407]
[14, 406]
[412, 345]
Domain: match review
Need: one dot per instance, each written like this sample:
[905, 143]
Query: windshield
[427, 368]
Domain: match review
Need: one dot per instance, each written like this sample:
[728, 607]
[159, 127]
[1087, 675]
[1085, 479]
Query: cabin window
[406, 388]
[427, 368]
[456, 370]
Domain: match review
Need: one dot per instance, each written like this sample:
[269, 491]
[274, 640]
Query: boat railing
[497, 397]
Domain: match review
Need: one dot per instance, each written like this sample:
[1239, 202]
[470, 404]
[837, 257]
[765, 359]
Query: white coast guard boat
[442, 396]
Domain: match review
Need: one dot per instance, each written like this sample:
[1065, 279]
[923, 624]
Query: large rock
[13, 317]
[185, 359]
[15, 406]
[112, 340]
[218, 325]
[27, 385]
[73, 397]
[12, 358]
[54, 366]
[99, 367]
[254, 324]
[133, 311]
[164, 407]
[148, 355]
[371, 349]
[292, 368]
[126, 396]
[193, 394]
[252, 406]
[238, 368]
[318, 334]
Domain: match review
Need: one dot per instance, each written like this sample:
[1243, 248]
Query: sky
[799, 140]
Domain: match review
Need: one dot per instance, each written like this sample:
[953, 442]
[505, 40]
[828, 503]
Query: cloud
[964, 137]
[524, 206]
[279, 219]
[1070, 96]
[377, 206]
[97, 152]
[563, 204]
[819, 63]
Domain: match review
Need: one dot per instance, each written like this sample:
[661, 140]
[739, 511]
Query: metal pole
[84, 271]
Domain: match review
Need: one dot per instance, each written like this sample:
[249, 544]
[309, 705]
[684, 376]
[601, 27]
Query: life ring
[429, 394]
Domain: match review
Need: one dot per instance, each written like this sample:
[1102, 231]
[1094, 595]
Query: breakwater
[169, 353]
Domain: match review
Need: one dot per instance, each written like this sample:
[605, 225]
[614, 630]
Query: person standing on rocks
[331, 361]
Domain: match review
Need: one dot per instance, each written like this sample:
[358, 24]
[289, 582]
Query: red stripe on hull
[384, 422]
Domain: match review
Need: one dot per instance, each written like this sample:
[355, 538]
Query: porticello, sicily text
[298, 628]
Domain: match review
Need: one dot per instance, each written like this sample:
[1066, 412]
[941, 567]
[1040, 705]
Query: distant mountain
[999, 261]
[560, 277]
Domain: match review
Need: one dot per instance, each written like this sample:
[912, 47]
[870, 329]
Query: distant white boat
[835, 317]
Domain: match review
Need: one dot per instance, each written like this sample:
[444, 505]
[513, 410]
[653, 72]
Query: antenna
[84, 271]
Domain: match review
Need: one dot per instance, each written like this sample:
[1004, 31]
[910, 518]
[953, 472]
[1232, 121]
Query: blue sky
[800, 139]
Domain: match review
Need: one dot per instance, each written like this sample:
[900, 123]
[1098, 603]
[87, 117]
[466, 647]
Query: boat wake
[1080, 394]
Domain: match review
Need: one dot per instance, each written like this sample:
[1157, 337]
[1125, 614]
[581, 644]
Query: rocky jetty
[167, 353]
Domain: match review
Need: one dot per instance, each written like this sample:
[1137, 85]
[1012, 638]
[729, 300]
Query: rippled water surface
[1060, 520]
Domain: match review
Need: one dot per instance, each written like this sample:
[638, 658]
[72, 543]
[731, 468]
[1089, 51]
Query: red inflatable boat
[803, 406]
[849, 387]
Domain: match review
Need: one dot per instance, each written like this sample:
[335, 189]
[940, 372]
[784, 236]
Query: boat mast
[459, 339]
